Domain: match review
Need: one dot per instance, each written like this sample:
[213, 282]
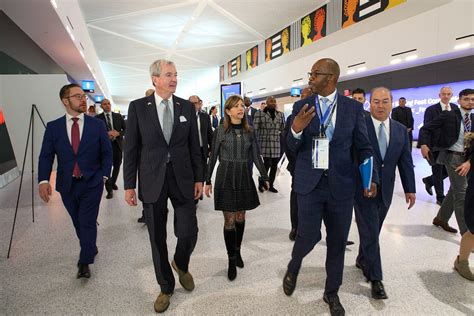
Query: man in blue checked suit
[326, 194]
[391, 145]
[84, 154]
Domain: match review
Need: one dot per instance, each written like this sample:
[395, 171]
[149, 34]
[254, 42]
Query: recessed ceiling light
[411, 57]
[82, 54]
[396, 61]
[462, 46]
[360, 69]
[351, 71]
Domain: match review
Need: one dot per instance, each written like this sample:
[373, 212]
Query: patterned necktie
[109, 123]
[167, 121]
[329, 129]
[382, 140]
[467, 123]
[75, 140]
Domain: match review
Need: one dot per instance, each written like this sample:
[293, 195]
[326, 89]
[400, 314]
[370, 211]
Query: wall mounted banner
[277, 45]
[313, 26]
[354, 11]
[251, 57]
[8, 167]
[221, 73]
[234, 67]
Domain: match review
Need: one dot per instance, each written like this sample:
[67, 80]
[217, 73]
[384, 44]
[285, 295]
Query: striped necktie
[467, 123]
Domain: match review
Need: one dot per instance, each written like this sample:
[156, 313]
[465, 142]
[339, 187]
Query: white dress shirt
[160, 108]
[331, 99]
[199, 128]
[377, 128]
[445, 107]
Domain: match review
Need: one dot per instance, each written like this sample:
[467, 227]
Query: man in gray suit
[162, 144]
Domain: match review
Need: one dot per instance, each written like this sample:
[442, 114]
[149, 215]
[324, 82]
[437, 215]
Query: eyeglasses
[78, 97]
[314, 74]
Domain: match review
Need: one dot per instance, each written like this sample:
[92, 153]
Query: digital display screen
[88, 86]
[227, 90]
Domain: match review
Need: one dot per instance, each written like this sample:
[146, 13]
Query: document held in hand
[365, 170]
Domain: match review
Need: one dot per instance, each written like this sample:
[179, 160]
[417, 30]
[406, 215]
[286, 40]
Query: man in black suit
[454, 124]
[205, 132]
[438, 170]
[404, 115]
[115, 129]
[249, 110]
[162, 143]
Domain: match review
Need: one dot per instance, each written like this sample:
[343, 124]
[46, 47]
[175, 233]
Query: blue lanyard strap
[326, 118]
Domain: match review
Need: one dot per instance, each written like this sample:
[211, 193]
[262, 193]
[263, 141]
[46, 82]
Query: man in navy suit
[391, 145]
[438, 170]
[326, 194]
[454, 124]
[249, 110]
[162, 146]
[84, 156]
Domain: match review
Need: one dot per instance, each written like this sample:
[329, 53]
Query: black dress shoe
[115, 187]
[292, 235]
[349, 243]
[378, 291]
[289, 283]
[109, 195]
[83, 271]
[335, 306]
[260, 188]
[428, 187]
[141, 219]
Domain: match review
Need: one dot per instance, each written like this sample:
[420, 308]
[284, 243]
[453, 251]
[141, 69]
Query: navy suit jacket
[350, 131]
[146, 150]
[397, 154]
[94, 155]
[432, 112]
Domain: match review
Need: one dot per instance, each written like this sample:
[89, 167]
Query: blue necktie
[329, 128]
[382, 140]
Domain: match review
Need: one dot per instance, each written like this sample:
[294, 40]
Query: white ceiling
[198, 35]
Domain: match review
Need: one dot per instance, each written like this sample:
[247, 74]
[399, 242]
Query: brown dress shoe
[185, 278]
[162, 302]
[462, 267]
[444, 225]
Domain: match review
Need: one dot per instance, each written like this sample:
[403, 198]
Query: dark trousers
[436, 180]
[185, 229]
[410, 140]
[370, 215]
[272, 165]
[82, 204]
[204, 156]
[469, 202]
[117, 162]
[314, 207]
[293, 208]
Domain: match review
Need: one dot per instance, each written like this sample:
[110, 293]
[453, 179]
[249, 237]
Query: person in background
[305, 93]
[234, 191]
[84, 156]
[268, 125]
[91, 111]
[404, 116]
[214, 117]
[115, 129]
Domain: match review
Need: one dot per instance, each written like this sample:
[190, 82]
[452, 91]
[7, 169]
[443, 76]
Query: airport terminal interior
[258, 49]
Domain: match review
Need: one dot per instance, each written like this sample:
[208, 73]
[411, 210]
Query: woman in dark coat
[234, 191]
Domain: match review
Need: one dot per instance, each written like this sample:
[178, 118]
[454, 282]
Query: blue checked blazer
[350, 135]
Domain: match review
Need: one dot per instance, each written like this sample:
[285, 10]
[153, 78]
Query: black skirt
[234, 189]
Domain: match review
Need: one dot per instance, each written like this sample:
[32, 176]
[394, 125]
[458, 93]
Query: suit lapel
[177, 113]
[64, 134]
[373, 136]
[315, 122]
[392, 141]
[339, 115]
[85, 132]
[152, 111]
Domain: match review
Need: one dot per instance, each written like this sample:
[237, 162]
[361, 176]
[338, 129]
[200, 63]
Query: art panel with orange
[313, 26]
[278, 44]
[251, 57]
[354, 11]
[234, 66]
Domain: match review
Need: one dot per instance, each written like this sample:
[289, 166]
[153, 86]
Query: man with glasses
[115, 129]
[162, 146]
[326, 131]
[84, 157]
[205, 133]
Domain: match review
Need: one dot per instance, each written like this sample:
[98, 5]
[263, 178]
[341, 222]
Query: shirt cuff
[44, 181]
[295, 134]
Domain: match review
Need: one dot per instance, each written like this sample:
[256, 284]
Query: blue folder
[365, 170]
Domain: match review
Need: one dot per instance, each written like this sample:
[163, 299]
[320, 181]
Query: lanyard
[326, 118]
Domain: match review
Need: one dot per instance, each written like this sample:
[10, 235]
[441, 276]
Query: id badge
[320, 153]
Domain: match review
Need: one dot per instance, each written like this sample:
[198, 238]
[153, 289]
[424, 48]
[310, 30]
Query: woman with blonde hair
[234, 190]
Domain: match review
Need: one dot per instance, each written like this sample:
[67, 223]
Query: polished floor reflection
[40, 276]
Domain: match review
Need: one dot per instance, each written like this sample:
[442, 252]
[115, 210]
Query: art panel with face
[319, 29]
[306, 28]
[380, 104]
[285, 40]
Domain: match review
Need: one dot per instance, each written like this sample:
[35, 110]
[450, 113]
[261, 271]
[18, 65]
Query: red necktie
[75, 139]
